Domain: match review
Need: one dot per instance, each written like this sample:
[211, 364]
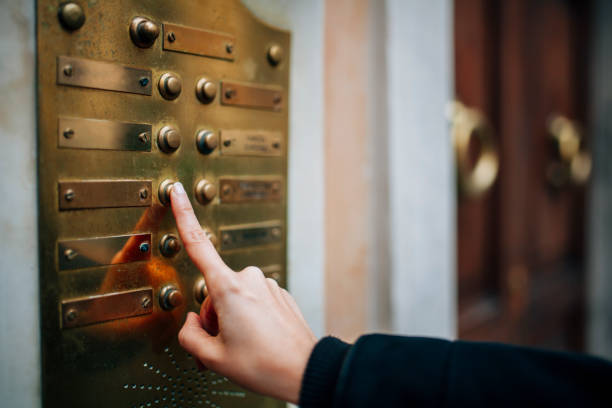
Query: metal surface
[85, 253]
[109, 364]
[251, 143]
[102, 308]
[251, 95]
[108, 76]
[249, 190]
[196, 41]
[243, 236]
[76, 195]
[78, 133]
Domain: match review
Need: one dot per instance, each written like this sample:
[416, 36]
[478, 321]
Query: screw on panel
[68, 70]
[144, 81]
[70, 254]
[171, 36]
[143, 137]
[143, 193]
[227, 189]
[146, 302]
[229, 93]
[144, 247]
[71, 315]
[68, 133]
[229, 48]
[69, 194]
[277, 98]
[227, 142]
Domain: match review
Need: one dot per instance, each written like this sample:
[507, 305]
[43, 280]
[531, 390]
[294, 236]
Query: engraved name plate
[77, 133]
[199, 42]
[242, 236]
[249, 190]
[251, 96]
[74, 195]
[251, 143]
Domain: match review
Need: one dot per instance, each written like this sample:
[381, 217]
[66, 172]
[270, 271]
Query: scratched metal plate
[135, 361]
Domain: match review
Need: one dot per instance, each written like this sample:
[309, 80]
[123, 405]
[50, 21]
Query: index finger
[199, 248]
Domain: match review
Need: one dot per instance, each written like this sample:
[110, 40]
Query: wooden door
[521, 245]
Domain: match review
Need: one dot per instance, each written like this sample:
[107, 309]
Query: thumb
[197, 342]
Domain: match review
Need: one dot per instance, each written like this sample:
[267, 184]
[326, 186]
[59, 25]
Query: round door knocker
[475, 175]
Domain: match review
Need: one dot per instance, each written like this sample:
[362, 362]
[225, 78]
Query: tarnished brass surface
[137, 361]
[78, 133]
[199, 42]
[75, 195]
[238, 190]
[88, 252]
[110, 306]
[251, 143]
[251, 95]
[102, 75]
[251, 235]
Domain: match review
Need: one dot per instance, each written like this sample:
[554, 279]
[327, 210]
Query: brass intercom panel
[132, 96]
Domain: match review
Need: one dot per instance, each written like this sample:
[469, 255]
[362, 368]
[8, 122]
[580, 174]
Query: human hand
[249, 329]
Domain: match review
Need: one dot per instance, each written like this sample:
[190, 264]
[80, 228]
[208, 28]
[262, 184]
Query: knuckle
[183, 337]
[252, 271]
[272, 282]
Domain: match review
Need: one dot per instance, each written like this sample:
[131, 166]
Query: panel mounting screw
[69, 194]
[68, 70]
[146, 302]
[70, 254]
[143, 193]
[144, 247]
[227, 239]
[277, 98]
[71, 16]
[229, 93]
[143, 137]
[68, 133]
[229, 48]
[71, 315]
[144, 81]
[227, 142]
[171, 36]
[276, 145]
[226, 190]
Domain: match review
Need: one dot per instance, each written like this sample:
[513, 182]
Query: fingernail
[178, 188]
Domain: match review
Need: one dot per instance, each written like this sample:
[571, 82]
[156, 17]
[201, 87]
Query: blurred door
[521, 244]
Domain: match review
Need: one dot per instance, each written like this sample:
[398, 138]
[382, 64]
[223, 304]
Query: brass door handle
[572, 163]
[475, 175]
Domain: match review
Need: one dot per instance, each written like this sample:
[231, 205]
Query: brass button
[206, 90]
[71, 16]
[143, 32]
[169, 245]
[164, 191]
[206, 141]
[205, 191]
[275, 54]
[170, 86]
[170, 297]
[200, 291]
[168, 139]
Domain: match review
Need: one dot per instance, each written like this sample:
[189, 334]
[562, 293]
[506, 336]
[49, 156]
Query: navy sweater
[393, 371]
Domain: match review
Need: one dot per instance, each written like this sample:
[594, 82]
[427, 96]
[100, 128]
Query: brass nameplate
[242, 236]
[103, 75]
[251, 96]
[74, 195]
[198, 42]
[251, 143]
[249, 190]
[88, 252]
[77, 133]
[110, 306]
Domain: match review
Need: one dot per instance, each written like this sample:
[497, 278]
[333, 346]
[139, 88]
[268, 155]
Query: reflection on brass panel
[84, 253]
[242, 236]
[251, 96]
[249, 190]
[103, 75]
[75, 195]
[110, 306]
[103, 134]
[199, 42]
[251, 143]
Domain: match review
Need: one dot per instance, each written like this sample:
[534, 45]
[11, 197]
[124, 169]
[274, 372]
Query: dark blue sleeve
[394, 371]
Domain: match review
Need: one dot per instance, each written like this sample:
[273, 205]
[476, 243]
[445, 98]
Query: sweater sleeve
[393, 371]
